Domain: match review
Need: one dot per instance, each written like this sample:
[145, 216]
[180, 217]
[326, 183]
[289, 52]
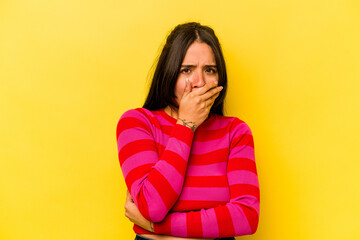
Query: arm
[239, 216]
[132, 212]
[154, 181]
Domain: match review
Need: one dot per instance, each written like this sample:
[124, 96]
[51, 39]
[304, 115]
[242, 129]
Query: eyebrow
[214, 66]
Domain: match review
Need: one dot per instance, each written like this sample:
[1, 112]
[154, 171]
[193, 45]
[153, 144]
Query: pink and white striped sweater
[201, 184]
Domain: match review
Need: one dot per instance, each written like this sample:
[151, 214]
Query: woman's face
[198, 66]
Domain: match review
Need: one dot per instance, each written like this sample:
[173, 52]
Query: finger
[188, 86]
[209, 94]
[187, 89]
[128, 199]
[207, 87]
[210, 102]
[128, 196]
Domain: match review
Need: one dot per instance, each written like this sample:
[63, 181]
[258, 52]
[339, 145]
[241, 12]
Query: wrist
[192, 125]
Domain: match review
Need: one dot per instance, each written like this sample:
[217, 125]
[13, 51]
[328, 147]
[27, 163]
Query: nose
[198, 79]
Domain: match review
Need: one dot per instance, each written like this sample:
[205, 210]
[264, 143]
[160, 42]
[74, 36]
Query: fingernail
[221, 87]
[216, 82]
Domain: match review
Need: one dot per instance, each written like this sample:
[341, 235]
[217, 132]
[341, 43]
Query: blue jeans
[139, 237]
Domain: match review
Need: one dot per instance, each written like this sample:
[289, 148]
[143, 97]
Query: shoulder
[238, 130]
[139, 113]
[233, 124]
[134, 118]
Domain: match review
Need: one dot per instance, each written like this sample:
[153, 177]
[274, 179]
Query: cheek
[212, 78]
[179, 88]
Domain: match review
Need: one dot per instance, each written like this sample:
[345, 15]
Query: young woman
[190, 171]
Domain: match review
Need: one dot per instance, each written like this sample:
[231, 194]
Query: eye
[185, 70]
[211, 70]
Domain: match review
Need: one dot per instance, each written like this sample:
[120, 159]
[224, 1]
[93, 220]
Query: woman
[190, 171]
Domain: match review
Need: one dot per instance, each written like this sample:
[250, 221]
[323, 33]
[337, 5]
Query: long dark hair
[161, 93]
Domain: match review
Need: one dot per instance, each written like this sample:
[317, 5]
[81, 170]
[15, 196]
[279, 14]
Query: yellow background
[69, 69]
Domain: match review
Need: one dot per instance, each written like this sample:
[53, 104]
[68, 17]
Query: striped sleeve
[241, 214]
[155, 182]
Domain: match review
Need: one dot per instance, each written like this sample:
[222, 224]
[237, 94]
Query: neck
[171, 111]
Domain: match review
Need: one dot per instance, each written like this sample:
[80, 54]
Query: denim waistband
[139, 237]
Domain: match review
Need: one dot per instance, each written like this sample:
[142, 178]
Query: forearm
[223, 221]
[132, 212]
[167, 237]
